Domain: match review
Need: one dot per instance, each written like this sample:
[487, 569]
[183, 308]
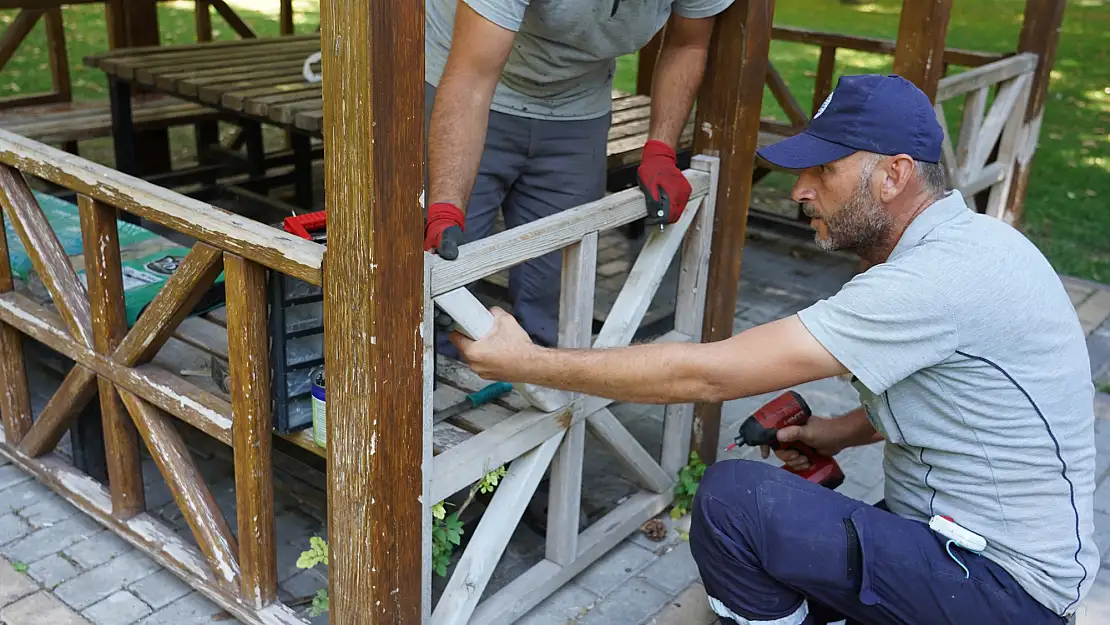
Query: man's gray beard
[860, 225]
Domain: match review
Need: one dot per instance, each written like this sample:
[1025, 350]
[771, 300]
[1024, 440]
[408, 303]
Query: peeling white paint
[214, 417]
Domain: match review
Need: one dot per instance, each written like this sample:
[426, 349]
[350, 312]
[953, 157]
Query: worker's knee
[734, 483]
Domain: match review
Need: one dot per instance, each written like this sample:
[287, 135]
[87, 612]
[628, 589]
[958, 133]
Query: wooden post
[645, 69]
[919, 51]
[727, 126]
[1040, 34]
[373, 60]
[134, 23]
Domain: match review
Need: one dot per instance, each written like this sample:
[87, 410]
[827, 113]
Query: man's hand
[500, 355]
[665, 188]
[827, 436]
[443, 232]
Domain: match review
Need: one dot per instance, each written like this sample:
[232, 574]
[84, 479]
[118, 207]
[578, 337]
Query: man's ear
[898, 172]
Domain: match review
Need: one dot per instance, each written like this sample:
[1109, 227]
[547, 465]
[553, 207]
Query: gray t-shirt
[969, 358]
[564, 55]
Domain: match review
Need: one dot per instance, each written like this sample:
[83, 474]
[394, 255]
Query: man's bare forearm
[456, 136]
[647, 374]
[674, 87]
[859, 430]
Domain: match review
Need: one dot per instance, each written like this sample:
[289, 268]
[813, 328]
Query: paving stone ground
[58, 567]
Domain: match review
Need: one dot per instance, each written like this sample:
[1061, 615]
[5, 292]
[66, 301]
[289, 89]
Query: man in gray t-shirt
[517, 103]
[969, 361]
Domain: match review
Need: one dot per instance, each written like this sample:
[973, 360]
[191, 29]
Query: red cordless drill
[785, 410]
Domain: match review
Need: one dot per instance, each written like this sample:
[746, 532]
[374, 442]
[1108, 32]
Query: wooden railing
[981, 158]
[551, 431]
[140, 393]
[51, 11]
[142, 388]
[830, 44]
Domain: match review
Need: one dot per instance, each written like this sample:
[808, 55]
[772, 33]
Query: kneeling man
[969, 361]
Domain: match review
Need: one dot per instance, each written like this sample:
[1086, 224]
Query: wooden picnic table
[261, 81]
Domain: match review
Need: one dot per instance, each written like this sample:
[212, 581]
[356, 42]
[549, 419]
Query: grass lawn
[1066, 206]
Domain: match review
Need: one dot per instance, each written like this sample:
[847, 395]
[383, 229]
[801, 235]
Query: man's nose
[803, 190]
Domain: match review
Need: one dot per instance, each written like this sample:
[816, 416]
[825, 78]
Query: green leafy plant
[447, 531]
[20, 567]
[689, 477]
[319, 603]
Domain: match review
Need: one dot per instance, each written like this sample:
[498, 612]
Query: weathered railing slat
[269, 246]
[100, 241]
[189, 490]
[249, 344]
[510, 247]
[15, 402]
[47, 255]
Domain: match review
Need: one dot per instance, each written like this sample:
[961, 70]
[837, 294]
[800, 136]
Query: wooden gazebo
[387, 463]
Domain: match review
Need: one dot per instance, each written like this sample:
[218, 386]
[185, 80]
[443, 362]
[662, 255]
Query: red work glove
[665, 188]
[443, 232]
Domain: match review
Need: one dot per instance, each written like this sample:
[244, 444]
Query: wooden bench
[628, 132]
[69, 122]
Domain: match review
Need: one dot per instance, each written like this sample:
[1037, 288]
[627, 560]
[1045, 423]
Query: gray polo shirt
[970, 360]
[564, 55]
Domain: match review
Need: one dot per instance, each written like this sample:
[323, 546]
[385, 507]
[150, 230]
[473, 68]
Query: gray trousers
[530, 169]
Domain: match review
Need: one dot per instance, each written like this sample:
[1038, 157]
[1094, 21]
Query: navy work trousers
[774, 548]
[530, 169]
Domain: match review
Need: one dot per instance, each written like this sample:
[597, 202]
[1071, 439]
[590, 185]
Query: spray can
[319, 420]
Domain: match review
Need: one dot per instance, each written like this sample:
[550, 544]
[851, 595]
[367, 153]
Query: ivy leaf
[319, 603]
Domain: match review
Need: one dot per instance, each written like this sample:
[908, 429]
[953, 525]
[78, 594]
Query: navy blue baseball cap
[870, 112]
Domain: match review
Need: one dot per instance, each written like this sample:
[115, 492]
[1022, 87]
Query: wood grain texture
[576, 306]
[507, 248]
[476, 565]
[690, 312]
[526, 591]
[176, 299]
[1040, 34]
[789, 104]
[186, 401]
[146, 533]
[188, 488]
[223, 229]
[373, 90]
[59, 60]
[47, 255]
[249, 343]
[985, 76]
[728, 128]
[100, 241]
[16, 31]
[919, 51]
[15, 401]
[73, 394]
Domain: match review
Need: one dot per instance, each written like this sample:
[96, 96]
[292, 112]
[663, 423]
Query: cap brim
[803, 151]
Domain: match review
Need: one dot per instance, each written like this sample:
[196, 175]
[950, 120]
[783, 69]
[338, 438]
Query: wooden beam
[188, 402]
[145, 533]
[59, 60]
[135, 23]
[479, 559]
[919, 51]
[176, 299]
[15, 403]
[985, 76]
[690, 312]
[727, 127]
[100, 240]
[47, 256]
[576, 318]
[507, 248]
[1040, 34]
[188, 488]
[249, 344]
[16, 32]
[373, 307]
